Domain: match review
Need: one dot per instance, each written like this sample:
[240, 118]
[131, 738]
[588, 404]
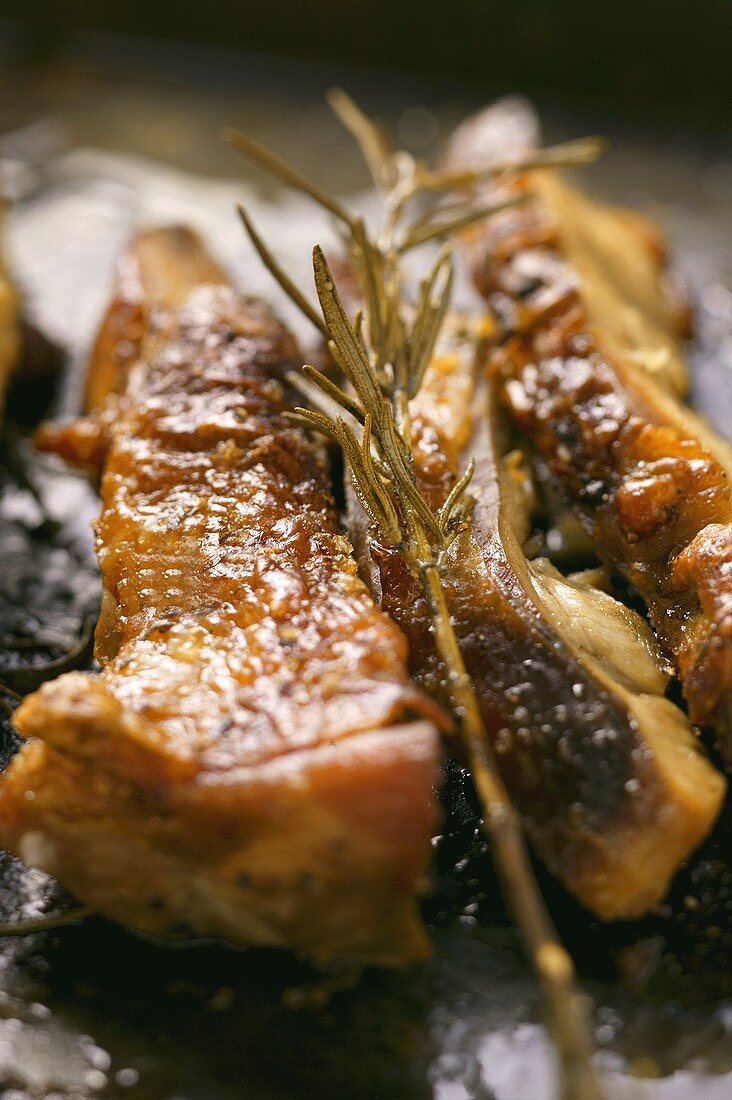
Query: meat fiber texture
[252, 762]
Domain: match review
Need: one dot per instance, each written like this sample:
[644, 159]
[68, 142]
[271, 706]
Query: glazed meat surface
[591, 363]
[611, 784]
[161, 268]
[252, 761]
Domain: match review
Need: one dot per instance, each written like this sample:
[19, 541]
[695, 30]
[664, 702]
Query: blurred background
[642, 64]
[670, 56]
[156, 82]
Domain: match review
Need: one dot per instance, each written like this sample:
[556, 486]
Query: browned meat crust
[247, 764]
[605, 772]
[591, 364]
[160, 267]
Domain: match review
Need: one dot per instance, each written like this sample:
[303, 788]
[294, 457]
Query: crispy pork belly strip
[252, 761]
[590, 360]
[9, 328]
[606, 773]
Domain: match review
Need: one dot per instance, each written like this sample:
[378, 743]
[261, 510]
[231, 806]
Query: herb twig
[286, 173]
[280, 275]
[384, 356]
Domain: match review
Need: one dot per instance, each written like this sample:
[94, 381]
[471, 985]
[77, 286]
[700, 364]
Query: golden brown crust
[244, 740]
[591, 363]
[158, 268]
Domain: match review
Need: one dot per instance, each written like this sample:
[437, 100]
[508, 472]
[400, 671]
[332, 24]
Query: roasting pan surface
[92, 1011]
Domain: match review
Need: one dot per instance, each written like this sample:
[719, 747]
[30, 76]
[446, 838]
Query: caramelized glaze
[252, 760]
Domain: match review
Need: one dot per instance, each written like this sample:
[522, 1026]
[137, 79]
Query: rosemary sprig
[384, 355]
[569, 154]
[437, 228]
[286, 173]
[280, 275]
[372, 138]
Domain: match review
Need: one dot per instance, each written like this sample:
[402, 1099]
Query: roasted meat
[252, 761]
[606, 773]
[591, 363]
[161, 268]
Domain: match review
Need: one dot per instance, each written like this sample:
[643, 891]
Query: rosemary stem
[567, 1015]
[384, 354]
[403, 418]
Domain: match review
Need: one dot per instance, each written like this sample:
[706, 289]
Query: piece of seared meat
[252, 761]
[611, 784]
[590, 359]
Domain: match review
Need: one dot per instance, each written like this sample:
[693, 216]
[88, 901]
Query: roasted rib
[606, 773]
[252, 762]
[591, 363]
